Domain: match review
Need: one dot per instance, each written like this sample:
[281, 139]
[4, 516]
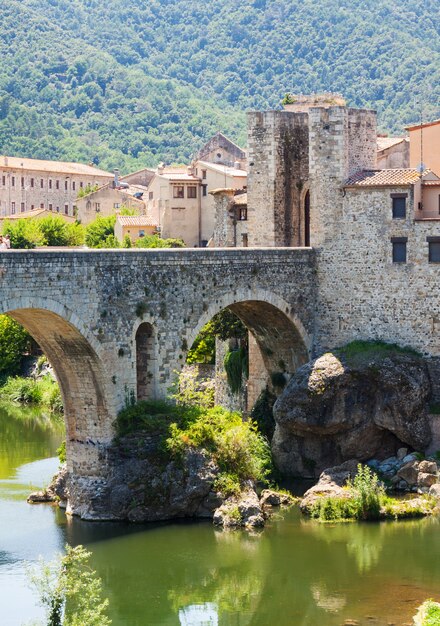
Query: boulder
[238, 511]
[269, 497]
[426, 480]
[401, 453]
[428, 467]
[332, 411]
[434, 490]
[331, 483]
[409, 472]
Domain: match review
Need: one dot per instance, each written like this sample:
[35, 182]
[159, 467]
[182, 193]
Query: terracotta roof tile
[383, 178]
[383, 143]
[136, 220]
[58, 167]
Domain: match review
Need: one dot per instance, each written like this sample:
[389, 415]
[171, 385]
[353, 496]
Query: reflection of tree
[234, 584]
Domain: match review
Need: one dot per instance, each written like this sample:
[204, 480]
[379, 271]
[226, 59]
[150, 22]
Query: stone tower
[298, 162]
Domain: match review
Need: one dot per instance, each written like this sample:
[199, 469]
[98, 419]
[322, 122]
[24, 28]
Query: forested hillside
[130, 82]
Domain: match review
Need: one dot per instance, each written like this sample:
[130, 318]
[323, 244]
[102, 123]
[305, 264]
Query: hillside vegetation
[131, 82]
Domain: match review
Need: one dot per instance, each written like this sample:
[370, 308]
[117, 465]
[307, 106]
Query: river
[294, 573]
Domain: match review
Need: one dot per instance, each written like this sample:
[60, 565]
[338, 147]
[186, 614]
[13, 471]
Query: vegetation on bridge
[190, 421]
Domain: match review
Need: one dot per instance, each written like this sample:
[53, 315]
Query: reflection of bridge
[115, 323]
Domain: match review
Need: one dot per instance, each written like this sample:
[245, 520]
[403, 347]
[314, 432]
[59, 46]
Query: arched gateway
[101, 317]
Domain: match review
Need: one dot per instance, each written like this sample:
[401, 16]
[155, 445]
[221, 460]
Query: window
[57, 184]
[58, 209]
[399, 249]
[50, 184]
[81, 184]
[13, 181]
[41, 183]
[4, 181]
[244, 240]
[434, 249]
[243, 214]
[42, 205]
[66, 186]
[399, 205]
[32, 182]
[22, 207]
[73, 185]
[66, 209]
[150, 195]
[13, 208]
[50, 207]
[439, 204]
[203, 173]
[191, 192]
[178, 191]
[97, 207]
[22, 182]
[116, 205]
[142, 233]
[204, 190]
[32, 207]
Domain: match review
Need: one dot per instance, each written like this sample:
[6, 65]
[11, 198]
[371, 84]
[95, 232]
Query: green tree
[57, 232]
[70, 591]
[98, 231]
[24, 233]
[154, 241]
[14, 341]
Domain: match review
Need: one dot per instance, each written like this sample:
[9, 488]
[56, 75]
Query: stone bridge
[117, 324]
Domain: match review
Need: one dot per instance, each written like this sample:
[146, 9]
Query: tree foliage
[14, 341]
[52, 230]
[159, 78]
[224, 325]
[70, 591]
[100, 232]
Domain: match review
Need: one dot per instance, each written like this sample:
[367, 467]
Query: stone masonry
[101, 316]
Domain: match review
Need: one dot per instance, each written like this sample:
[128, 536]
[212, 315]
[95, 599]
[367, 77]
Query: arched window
[307, 219]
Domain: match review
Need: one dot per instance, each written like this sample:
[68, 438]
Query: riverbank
[39, 391]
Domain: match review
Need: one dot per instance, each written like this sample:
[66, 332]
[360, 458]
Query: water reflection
[295, 572]
[199, 615]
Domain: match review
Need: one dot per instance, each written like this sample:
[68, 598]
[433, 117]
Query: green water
[294, 573]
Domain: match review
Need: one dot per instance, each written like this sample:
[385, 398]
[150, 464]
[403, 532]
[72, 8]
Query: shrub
[70, 591]
[262, 413]
[57, 232]
[24, 390]
[14, 342]
[367, 493]
[24, 233]
[428, 614]
[98, 231]
[61, 452]
[236, 367]
[154, 241]
[333, 509]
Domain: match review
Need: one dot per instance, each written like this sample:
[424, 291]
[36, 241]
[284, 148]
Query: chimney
[116, 179]
[6, 161]
[237, 165]
[160, 168]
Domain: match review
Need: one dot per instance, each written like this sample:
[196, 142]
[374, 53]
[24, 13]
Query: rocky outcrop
[331, 484]
[243, 510]
[143, 484]
[332, 411]
[55, 492]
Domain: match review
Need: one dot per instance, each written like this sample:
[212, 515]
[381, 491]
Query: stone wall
[363, 294]
[278, 171]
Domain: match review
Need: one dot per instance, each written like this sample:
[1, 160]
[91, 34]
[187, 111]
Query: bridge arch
[80, 372]
[282, 341]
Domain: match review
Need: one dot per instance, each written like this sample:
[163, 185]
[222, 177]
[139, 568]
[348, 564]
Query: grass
[358, 351]
[42, 391]
[238, 449]
[366, 500]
